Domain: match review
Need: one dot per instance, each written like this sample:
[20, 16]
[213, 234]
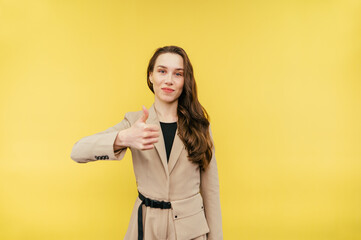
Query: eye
[179, 74]
[162, 71]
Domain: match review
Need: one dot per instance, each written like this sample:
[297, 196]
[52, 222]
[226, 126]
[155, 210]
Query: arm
[100, 146]
[210, 192]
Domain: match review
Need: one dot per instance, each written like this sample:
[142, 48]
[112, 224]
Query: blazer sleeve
[210, 193]
[99, 146]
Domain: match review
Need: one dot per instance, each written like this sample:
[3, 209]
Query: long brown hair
[193, 119]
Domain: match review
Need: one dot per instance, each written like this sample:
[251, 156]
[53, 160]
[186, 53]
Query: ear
[151, 77]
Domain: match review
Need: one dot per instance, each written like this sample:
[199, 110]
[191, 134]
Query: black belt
[148, 203]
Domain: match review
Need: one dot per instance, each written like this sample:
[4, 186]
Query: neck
[167, 112]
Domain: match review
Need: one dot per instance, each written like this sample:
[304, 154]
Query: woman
[173, 155]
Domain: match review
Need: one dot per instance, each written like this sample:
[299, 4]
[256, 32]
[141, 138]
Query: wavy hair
[193, 119]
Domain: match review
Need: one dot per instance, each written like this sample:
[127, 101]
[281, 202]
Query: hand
[140, 135]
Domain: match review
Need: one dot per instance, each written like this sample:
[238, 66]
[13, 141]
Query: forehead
[170, 61]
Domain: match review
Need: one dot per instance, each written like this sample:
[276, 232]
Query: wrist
[121, 140]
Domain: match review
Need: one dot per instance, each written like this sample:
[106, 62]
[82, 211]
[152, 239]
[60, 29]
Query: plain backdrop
[281, 81]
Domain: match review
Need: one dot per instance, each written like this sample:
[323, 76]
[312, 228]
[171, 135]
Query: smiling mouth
[168, 90]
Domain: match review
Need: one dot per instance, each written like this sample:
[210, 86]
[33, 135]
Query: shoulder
[210, 130]
[133, 116]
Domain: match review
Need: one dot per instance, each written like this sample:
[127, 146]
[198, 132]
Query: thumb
[145, 115]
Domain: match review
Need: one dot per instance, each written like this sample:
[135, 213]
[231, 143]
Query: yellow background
[281, 81]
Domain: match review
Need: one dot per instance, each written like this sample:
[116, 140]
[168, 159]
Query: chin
[168, 100]
[171, 101]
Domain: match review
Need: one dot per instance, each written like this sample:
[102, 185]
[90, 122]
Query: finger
[148, 147]
[152, 127]
[145, 115]
[150, 141]
[151, 135]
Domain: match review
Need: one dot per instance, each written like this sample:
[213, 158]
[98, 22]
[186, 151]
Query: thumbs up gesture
[140, 135]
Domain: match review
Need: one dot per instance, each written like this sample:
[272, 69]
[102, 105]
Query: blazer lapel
[177, 148]
[160, 145]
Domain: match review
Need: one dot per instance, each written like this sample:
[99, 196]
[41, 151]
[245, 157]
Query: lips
[168, 90]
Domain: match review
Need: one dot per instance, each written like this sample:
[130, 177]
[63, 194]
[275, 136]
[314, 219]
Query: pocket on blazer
[189, 218]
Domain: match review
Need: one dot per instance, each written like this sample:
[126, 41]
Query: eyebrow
[166, 67]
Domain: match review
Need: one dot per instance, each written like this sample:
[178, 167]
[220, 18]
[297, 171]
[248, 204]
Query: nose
[168, 79]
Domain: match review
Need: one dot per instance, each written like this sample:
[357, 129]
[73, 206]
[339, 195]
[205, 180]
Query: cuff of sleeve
[106, 148]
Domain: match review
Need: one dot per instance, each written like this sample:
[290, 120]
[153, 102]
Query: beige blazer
[194, 195]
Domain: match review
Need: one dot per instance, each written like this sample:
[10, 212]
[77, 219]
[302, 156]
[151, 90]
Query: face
[167, 77]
